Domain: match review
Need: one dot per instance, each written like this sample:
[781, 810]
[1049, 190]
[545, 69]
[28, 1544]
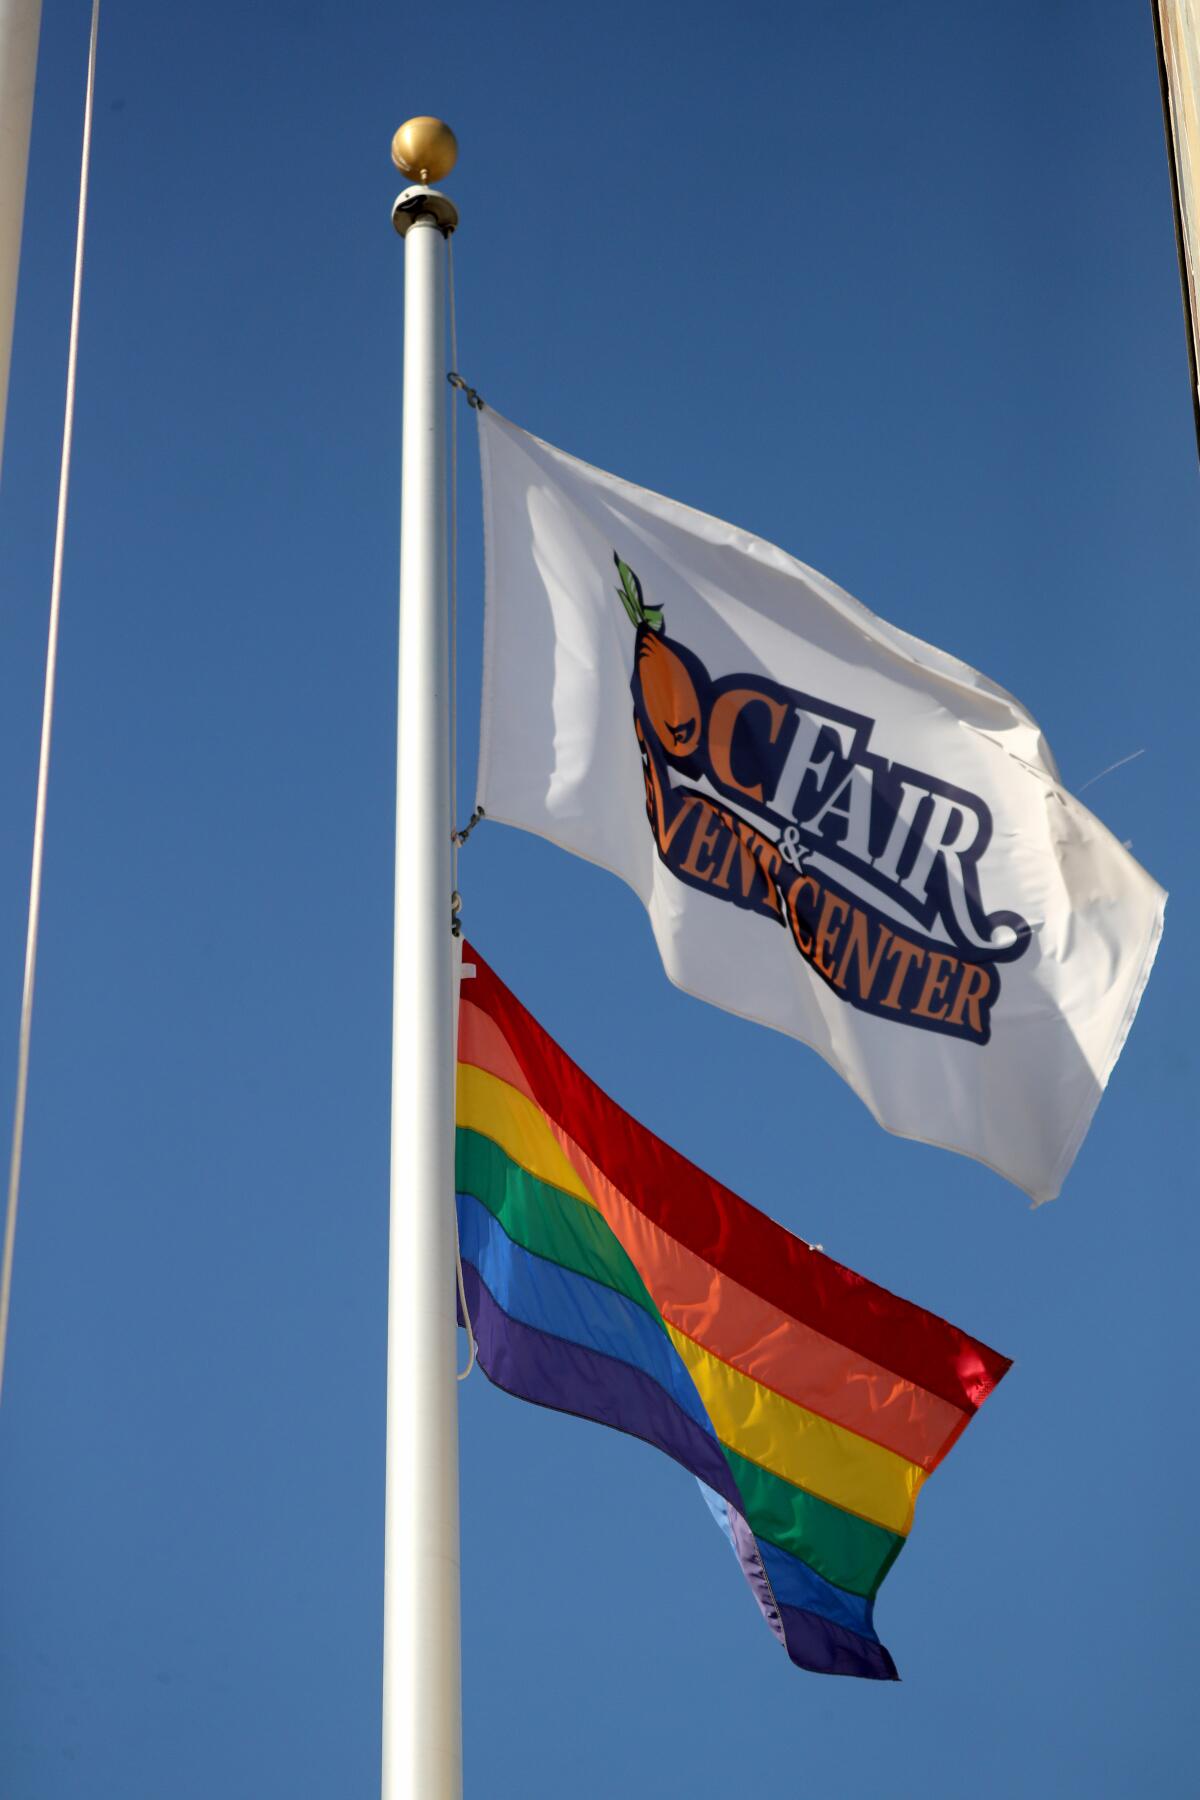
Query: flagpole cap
[425, 149]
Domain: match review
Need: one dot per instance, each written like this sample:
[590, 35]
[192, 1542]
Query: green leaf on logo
[629, 605]
[630, 595]
[629, 581]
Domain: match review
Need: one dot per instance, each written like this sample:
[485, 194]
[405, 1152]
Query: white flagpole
[422, 1749]
[20, 21]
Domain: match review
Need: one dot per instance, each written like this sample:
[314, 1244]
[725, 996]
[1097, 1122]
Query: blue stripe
[795, 1584]
[573, 1379]
[549, 1298]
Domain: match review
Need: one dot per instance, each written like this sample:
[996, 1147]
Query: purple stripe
[829, 1649]
[746, 1551]
[572, 1379]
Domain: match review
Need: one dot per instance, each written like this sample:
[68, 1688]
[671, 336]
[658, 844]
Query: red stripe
[717, 1312]
[728, 1232]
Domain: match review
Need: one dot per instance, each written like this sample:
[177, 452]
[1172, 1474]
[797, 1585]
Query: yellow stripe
[823, 1458]
[490, 1106]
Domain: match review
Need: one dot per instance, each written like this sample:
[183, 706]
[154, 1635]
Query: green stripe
[847, 1550]
[543, 1219]
[851, 1552]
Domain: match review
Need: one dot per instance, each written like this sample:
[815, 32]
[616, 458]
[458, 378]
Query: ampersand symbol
[790, 847]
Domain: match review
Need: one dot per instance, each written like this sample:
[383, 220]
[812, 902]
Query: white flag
[836, 829]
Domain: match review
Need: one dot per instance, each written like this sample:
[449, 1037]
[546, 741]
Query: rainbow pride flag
[607, 1276]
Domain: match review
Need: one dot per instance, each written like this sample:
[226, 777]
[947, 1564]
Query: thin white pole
[20, 21]
[43, 775]
[422, 1751]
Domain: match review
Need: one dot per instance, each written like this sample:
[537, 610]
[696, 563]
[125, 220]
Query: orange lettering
[722, 879]
[727, 710]
[857, 945]
[709, 826]
[803, 937]
[826, 929]
[905, 955]
[975, 985]
[748, 861]
[937, 980]
[758, 856]
[768, 858]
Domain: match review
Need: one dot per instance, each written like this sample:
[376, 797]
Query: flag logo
[894, 818]
[772, 800]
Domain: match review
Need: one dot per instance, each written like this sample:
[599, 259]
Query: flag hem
[1087, 1112]
[484, 754]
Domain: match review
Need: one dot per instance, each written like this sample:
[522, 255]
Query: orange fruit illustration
[668, 695]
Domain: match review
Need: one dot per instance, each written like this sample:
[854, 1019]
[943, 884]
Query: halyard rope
[39, 818]
[456, 837]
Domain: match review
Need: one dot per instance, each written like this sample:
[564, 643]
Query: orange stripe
[754, 1337]
[482, 1044]
[748, 1333]
[735, 1237]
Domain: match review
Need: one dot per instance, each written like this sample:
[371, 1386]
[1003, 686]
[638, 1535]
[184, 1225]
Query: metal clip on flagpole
[422, 1750]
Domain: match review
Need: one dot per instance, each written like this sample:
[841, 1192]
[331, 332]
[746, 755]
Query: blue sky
[894, 287]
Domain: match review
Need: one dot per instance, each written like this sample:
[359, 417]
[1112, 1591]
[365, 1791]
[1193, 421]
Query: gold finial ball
[425, 149]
